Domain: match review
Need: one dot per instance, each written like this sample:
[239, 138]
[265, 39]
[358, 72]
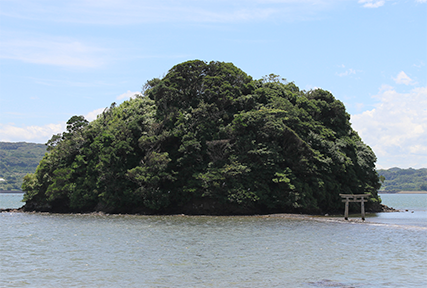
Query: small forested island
[208, 139]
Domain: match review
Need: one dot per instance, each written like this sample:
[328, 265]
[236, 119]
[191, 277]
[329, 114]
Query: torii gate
[354, 198]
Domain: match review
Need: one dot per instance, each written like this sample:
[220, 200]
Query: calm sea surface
[54, 250]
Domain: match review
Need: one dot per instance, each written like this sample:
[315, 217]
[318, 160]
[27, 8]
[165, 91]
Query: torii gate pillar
[347, 198]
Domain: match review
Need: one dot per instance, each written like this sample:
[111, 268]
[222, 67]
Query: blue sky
[65, 58]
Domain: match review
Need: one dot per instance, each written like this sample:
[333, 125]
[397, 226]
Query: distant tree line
[16, 160]
[396, 179]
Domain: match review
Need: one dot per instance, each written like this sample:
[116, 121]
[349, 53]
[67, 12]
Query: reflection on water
[52, 250]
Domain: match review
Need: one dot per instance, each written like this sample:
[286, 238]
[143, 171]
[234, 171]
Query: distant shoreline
[403, 192]
[11, 192]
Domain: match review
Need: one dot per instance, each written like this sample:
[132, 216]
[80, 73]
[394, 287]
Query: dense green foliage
[207, 138]
[396, 179]
[17, 160]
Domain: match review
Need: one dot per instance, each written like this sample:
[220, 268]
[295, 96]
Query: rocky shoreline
[12, 210]
[383, 208]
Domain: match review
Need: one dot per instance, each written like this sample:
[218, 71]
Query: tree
[207, 138]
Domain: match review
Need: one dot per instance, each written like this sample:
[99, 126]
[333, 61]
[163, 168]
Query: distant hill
[397, 179]
[17, 160]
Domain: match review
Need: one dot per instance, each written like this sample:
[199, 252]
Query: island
[208, 139]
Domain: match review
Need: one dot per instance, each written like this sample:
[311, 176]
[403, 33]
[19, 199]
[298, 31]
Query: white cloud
[56, 51]
[128, 95]
[37, 134]
[421, 1]
[127, 12]
[372, 3]
[93, 114]
[346, 73]
[360, 106]
[421, 63]
[402, 78]
[41, 134]
[397, 128]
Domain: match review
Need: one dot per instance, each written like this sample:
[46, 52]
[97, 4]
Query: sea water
[412, 210]
[95, 250]
[11, 200]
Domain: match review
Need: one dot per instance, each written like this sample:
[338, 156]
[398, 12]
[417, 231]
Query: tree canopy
[16, 160]
[396, 179]
[207, 139]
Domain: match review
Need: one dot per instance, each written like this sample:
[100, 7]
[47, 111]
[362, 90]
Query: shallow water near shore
[11, 200]
[93, 250]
